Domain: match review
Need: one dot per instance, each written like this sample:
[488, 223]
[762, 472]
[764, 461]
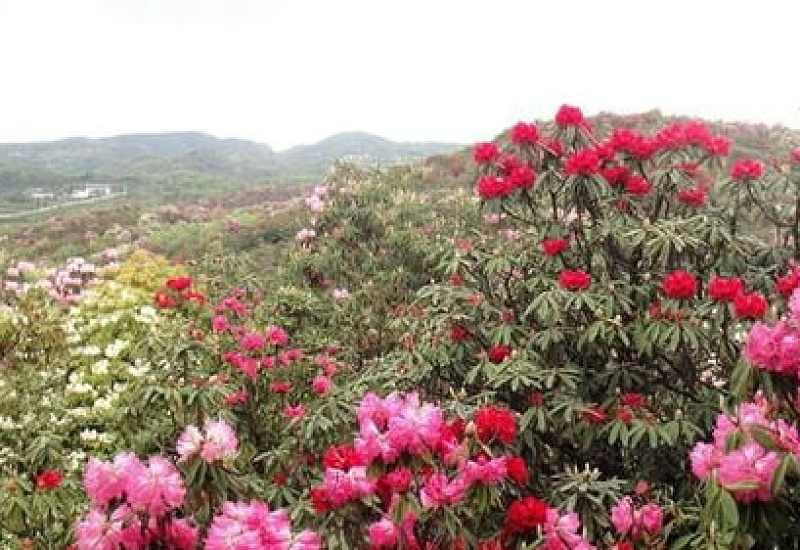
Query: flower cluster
[132, 504]
[634, 521]
[405, 447]
[253, 526]
[216, 441]
[316, 202]
[776, 348]
[178, 291]
[747, 468]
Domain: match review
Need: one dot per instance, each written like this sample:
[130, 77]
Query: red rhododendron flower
[633, 399]
[526, 515]
[574, 279]
[164, 300]
[179, 284]
[495, 422]
[794, 156]
[693, 197]
[679, 285]
[787, 284]
[498, 354]
[553, 247]
[638, 186]
[750, 306]
[342, 457]
[747, 169]
[508, 163]
[320, 500]
[616, 175]
[492, 187]
[458, 333]
[522, 177]
[631, 142]
[625, 415]
[485, 153]
[49, 479]
[524, 133]
[517, 470]
[569, 116]
[725, 289]
[583, 162]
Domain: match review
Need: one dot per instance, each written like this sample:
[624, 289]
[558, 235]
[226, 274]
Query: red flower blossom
[525, 515]
[49, 479]
[638, 186]
[164, 300]
[633, 399]
[794, 156]
[524, 133]
[725, 289]
[616, 175]
[485, 153]
[693, 197]
[631, 142]
[750, 306]
[342, 457]
[459, 333]
[517, 470]
[536, 399]
[583, 162]
[320, 500]
[569, 116]
[553, 247]
[747, 169]
[493, 422]
[492, 187]
[498, 354]
[625, 415]
[679, 285]
[179, 284]
[788, 283]
[522, 177]
[508, 163]
[574, 279]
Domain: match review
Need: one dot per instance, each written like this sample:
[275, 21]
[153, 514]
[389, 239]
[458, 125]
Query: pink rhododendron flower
[294, 411]
[157, 489]
[383, 534]
[321, 384]
[219, 323]
[277, 336]
[439, 491]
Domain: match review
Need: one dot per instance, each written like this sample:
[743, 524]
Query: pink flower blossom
[277, 336]
[294, 411]
[321, 384]
[383, 534]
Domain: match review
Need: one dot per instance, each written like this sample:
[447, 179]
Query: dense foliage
[597, 346]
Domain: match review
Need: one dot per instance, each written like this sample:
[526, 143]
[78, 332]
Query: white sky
[294, 71]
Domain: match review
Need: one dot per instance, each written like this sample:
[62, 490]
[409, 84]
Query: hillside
[359, 146]
[156, 158]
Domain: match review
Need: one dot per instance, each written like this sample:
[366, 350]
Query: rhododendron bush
[595, 346]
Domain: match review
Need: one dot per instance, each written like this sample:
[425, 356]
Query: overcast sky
[294, 71]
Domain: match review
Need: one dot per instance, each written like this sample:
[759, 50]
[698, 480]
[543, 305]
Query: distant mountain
[181, 157]
[360, 146]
